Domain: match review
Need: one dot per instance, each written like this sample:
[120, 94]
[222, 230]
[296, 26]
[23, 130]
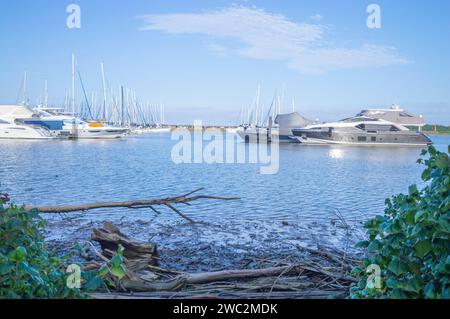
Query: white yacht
[78, 128]
[361, 131]
[11, 127]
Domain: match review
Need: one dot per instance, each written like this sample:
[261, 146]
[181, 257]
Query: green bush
[410, 243]
[27, 268]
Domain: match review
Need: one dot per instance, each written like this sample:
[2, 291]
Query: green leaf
[103, 271]
[118, 271]
[19, 254]
[374, 246]
[413, 191]
[397, 266]
[5, 269]
[426, 175]
[413, 285]
[420, 215]
[442, 161]
[430, 291]
[432, 150]
[94, 284]
[445, 293]
[362, 244]
[444, 224]
[423, 247]
[398, 294]
[116, 261]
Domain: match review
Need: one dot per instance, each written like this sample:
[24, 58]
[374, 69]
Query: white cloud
[316, 17]
[272, 36]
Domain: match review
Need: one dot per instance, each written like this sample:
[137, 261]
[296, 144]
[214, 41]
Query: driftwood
[138, 254]
[208, 277]
[325, 274]
[137, 204]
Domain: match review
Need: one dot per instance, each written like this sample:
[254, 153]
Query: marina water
[313, 182]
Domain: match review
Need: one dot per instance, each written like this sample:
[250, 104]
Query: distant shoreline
[435, 133]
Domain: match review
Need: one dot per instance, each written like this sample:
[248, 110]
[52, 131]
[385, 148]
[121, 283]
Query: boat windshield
[359, 119]
[74, 121]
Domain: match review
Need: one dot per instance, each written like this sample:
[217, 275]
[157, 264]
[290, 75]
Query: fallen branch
[207, 277]
[138, 204]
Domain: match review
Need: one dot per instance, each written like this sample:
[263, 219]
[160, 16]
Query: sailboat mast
[160, 113]
[73, 84]
[46, 93]
[122, 106]
[24, 97]
[257, 104]
[104, 91]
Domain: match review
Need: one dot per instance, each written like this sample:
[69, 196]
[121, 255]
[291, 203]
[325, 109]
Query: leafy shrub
[410, 243]
[27, 268]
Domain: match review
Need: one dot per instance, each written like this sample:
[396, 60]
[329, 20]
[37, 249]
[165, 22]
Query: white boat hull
[12, 131]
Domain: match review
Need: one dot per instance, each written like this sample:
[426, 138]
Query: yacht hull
[407, 138]
[23, 132]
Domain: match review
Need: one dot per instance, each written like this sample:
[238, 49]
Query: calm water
[313, 182]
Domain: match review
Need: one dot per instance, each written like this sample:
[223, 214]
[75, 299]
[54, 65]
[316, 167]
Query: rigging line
[85, 96]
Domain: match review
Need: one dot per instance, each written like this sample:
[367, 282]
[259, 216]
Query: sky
[205, 59]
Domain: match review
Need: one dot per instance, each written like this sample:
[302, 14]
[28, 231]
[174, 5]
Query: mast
[282, 98]
[122, 106]
[293, 105]
[104, 92]
[257, 104]
[74, 125]
[46, 93]
[161, 117]
[73, 84]
[24, 93]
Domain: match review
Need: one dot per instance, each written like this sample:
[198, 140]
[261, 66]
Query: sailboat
[82, 129]
[275, 127]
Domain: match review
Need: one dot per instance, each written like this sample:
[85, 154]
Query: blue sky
[205, 59]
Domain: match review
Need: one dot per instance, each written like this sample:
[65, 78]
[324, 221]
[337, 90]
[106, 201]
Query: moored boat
[361, 131]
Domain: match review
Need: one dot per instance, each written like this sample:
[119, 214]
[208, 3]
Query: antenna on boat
[293, 104]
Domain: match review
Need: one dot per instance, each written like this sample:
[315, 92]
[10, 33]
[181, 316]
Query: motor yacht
[361, 131]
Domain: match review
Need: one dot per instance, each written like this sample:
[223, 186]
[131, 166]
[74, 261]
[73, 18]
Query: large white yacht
[13, 127]
[361, 131]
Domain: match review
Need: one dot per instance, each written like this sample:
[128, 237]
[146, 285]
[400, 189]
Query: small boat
[360, 131]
